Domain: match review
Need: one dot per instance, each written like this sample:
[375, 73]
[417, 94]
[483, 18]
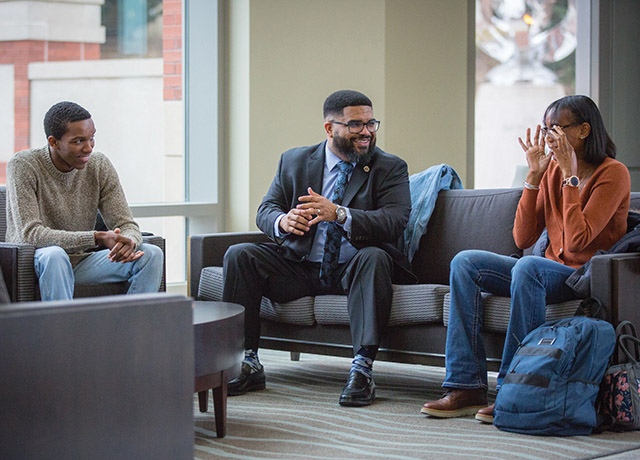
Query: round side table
[219, 350]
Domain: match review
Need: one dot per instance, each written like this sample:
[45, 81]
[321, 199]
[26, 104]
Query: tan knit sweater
[47, 207]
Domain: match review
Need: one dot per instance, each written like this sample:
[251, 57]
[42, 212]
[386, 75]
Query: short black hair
[335, 103]
[61, 114]
[598, 145]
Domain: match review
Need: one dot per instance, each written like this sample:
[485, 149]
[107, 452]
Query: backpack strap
[595, 307]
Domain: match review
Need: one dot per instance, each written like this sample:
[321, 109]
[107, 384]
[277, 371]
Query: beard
[347, 148]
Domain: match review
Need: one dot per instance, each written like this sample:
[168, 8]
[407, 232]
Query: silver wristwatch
[341, 215]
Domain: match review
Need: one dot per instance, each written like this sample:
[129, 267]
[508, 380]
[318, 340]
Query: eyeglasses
[545, 129]
[356, 127]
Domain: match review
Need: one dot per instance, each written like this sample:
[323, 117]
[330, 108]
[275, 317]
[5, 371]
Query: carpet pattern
[298, 417]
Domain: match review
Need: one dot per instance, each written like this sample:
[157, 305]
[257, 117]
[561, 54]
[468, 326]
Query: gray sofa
[462, 219]
[101, 378]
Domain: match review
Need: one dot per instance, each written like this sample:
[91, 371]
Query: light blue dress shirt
[329, 178]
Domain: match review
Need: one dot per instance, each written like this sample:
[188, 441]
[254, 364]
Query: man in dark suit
[336, 212]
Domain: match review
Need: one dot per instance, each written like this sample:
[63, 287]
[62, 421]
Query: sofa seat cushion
[299, 311]
[411, 304]
[497, 311]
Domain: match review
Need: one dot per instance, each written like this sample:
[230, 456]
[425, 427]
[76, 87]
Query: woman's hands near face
[563, 152]
[537, 160]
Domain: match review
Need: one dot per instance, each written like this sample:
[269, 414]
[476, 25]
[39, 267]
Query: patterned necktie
[333, 239]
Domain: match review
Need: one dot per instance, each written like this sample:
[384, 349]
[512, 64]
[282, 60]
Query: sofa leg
[295, 356]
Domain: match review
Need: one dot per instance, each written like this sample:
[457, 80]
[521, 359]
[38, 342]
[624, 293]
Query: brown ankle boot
[457, 403]
[485, 415]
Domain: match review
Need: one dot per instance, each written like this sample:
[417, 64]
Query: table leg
[220, 406]
[203, 400]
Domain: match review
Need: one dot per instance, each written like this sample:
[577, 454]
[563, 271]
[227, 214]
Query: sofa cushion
[299, 311]
[465, 219]
[211, 284]
[497, 311]
[411, 304]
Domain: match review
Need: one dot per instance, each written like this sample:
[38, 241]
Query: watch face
[574, 181]
[341, 214]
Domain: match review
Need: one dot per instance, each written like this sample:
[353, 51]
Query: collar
[330, 158]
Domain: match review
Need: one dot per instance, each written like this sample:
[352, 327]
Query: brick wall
[172, 49]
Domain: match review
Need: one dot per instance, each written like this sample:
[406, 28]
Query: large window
[525, 60]
[124, 63]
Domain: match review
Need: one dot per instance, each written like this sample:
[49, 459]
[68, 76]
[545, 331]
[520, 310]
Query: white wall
[7, 120]
[64, 21]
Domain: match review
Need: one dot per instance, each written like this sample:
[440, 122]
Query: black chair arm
[207, 250]
[159, 241]
[615, 281]
[19, 274]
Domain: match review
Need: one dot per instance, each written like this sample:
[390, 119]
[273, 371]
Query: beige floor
[631, 455]
[297, 417]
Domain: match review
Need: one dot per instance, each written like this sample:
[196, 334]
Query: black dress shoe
[359, 390]
[248, 380]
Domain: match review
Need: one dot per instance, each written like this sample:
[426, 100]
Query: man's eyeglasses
[356, 127]
[545, 129]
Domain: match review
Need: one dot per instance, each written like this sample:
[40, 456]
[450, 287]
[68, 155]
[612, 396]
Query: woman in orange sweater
[580, 194]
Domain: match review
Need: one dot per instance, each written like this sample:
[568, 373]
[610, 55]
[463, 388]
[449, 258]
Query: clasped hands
[122, 249]
[313, 209]
[538, 160]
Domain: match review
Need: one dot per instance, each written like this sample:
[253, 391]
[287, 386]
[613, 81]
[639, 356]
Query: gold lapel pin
[366, 169]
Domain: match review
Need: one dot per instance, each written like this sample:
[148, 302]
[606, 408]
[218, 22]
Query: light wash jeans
[57, 277]
[532, 282]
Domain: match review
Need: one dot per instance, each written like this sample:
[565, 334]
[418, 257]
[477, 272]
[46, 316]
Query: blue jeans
[531, 282]
[57, 277]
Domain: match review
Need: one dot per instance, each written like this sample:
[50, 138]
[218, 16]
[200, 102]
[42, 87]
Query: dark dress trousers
[378, 198]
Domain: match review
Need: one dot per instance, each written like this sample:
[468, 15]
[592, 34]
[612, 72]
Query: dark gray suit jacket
[378, 199]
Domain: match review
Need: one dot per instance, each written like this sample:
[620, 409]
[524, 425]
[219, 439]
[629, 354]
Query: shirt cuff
[276, 227]
[347, 223]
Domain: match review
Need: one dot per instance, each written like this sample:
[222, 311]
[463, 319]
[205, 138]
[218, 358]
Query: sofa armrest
[208, 250]
[16, 261]
[615, 281]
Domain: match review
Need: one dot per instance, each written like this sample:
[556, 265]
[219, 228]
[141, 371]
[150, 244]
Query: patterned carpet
[298, 417]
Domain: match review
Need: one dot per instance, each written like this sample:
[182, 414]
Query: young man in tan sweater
[53, 196]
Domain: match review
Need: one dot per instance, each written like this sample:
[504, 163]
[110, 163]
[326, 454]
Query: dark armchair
[16, 262]
[100, 378]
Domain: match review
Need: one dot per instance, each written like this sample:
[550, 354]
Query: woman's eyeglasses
[545, 129]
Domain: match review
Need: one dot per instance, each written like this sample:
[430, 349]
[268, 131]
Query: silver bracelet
[531, 187]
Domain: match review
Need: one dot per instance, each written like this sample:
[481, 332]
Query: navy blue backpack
[554, 378]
